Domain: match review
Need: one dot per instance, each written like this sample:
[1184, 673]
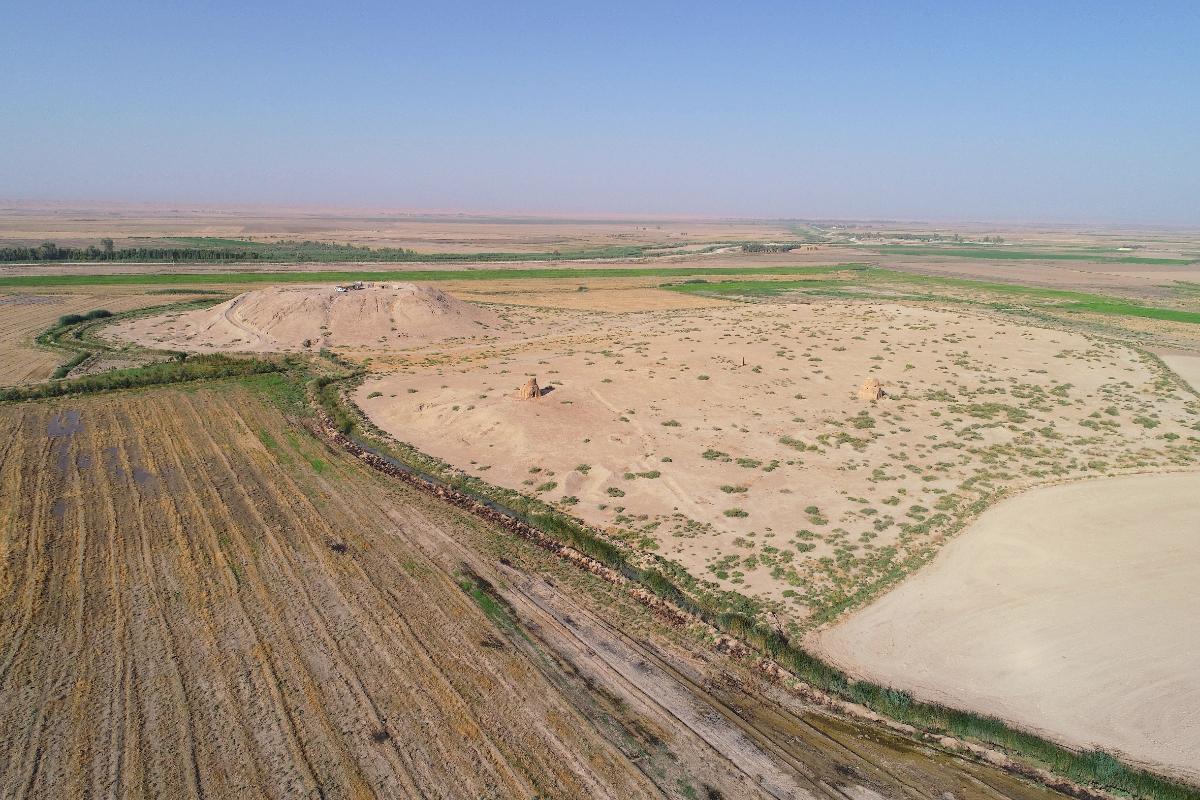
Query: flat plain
[329, 630]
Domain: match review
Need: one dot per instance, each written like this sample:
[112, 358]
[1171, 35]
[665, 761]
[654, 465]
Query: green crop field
[1001, 254]
[891, 284]
[214, 242]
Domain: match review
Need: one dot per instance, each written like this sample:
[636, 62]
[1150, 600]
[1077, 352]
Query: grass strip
[206, 367]
[1001, 254]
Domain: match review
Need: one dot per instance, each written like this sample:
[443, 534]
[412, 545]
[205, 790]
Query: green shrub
[64, 369]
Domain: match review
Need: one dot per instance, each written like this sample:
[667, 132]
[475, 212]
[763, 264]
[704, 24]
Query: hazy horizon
[937, 112]
[84, 205]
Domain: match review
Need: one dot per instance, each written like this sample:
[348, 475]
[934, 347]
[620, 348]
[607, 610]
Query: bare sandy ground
[385, 316]
[730, 440]
[1185, 366]
[1070, 609]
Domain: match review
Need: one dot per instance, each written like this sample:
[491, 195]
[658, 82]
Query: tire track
[202, 450]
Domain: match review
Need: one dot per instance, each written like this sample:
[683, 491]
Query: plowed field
[197, 599]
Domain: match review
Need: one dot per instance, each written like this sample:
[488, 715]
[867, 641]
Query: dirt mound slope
[293, 318]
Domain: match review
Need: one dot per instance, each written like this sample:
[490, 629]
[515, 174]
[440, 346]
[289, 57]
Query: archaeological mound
[377, 316]
[529, 390]
[871, 389]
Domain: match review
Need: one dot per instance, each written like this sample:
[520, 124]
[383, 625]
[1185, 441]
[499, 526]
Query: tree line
[285, 251]
[49, 251]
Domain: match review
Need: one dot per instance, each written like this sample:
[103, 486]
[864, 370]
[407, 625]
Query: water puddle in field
[59, 509]
[28, 300]
[61, 428]
[65, 424]
[112, 462]
[145, 479]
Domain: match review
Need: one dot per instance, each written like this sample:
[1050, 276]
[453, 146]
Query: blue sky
[934, 110]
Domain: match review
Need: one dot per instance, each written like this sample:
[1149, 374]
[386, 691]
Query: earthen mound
[295, 318]
[871, 389]
[529, 390]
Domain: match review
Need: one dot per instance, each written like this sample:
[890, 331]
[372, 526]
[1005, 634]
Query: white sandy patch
[1186, 367]
[1070, 609]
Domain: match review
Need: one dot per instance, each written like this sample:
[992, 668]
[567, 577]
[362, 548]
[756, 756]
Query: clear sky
[1054, 110]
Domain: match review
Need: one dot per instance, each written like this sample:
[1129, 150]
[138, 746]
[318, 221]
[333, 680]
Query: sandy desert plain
[1010, 528]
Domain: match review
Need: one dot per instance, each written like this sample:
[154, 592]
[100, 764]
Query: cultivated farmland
[200, 599]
